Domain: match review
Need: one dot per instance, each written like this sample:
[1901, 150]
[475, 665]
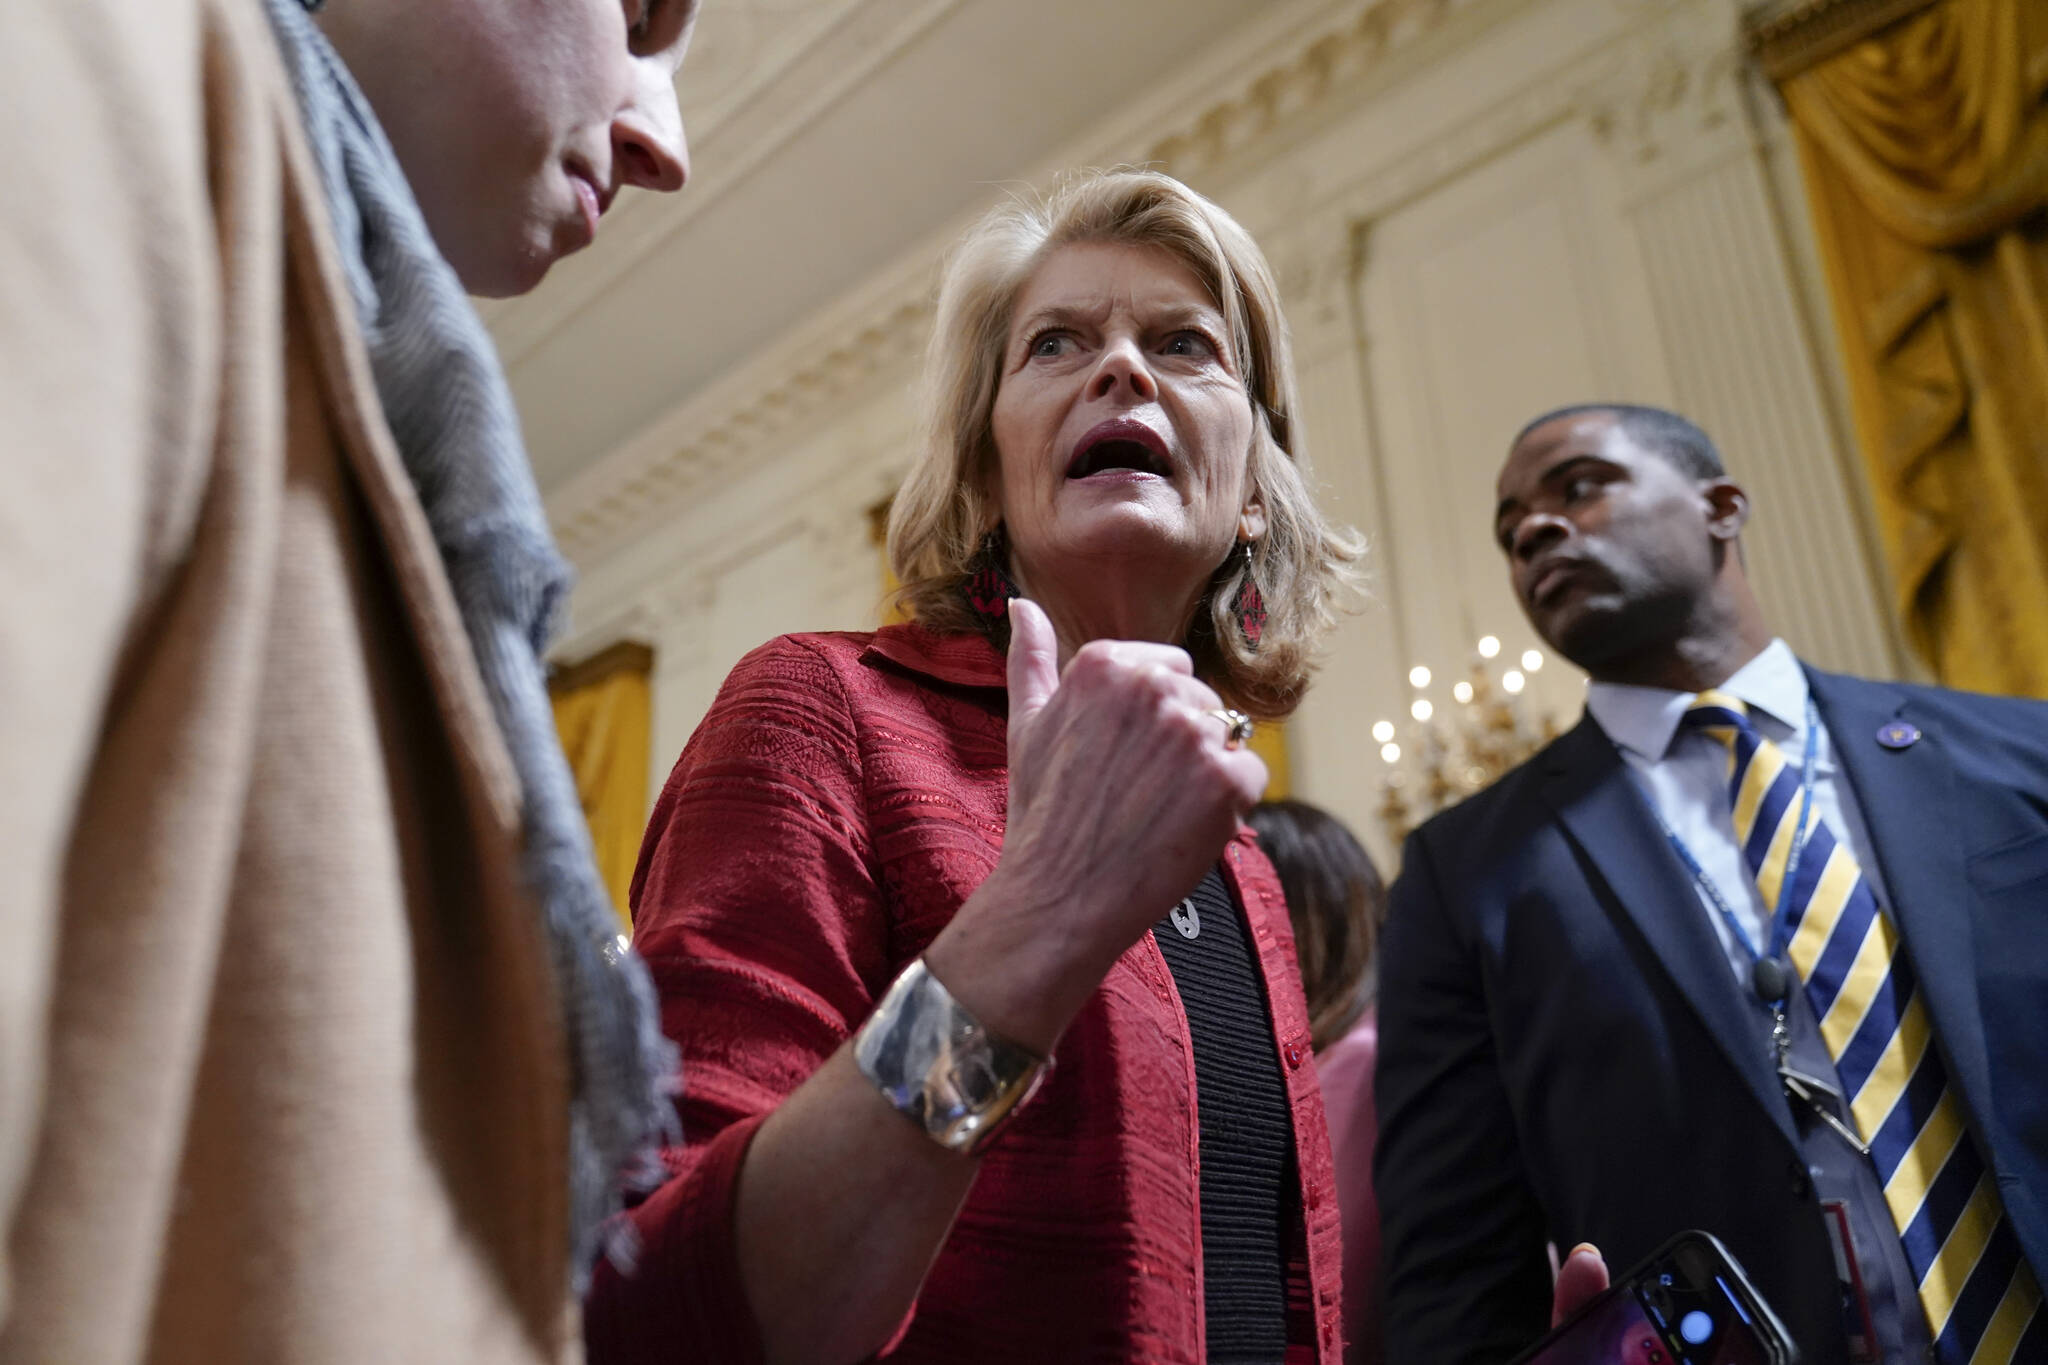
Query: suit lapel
[1908, 798]
[1607, 817]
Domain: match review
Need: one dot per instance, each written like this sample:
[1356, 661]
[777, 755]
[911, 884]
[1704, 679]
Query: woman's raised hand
[1122, 795]
[1121, 789]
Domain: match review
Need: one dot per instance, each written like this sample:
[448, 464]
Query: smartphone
[1688, 1303]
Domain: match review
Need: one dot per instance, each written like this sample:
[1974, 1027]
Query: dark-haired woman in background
[1336, 901]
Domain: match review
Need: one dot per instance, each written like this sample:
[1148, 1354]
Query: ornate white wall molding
[1664, 94]
[764, 405]
[789, 87]
[1316, 265]
[1326, 63]
[1668, 100]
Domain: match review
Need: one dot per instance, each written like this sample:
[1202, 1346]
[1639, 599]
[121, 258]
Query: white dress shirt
[1684, 776]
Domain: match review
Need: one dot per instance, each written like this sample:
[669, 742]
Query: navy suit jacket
[1565, 1055]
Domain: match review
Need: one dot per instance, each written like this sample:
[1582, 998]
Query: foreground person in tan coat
[301, 1057]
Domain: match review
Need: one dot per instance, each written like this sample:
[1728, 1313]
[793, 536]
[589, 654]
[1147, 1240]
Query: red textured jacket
[841, 800]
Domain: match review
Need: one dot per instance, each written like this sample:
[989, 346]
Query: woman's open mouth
[1121, 446]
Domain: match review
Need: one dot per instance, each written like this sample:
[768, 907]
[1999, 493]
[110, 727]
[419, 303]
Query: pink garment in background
[1345, 1069]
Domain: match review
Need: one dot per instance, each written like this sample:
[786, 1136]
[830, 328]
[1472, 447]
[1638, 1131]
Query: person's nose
[1536, 533]
[1123, 367]
[649, 147]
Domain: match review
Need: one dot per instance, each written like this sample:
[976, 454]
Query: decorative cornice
[1670, 83]
[1316, 265]
[1513, 120]
[1790, 36]
[609, 503]
[1677, 84]
[1326, 59]
[862, 37]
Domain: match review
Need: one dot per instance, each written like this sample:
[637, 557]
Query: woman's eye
[1048, 344]
[1188, 344]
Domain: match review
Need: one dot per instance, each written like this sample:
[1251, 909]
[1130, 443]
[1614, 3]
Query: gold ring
[1237, 727]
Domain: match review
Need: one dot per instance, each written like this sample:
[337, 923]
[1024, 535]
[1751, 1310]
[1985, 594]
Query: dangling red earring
[989, 587]
[1250, 604]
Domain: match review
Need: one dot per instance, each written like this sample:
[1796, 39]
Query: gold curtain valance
[1923, 137]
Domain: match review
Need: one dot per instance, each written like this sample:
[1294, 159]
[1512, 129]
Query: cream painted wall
[1478, 209]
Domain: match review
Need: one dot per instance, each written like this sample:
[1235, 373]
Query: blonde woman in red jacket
[899, 879]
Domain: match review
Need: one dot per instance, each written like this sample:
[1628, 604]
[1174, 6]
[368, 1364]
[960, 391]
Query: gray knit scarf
[452, 415]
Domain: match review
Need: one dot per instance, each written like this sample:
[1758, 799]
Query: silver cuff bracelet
[939, 1067]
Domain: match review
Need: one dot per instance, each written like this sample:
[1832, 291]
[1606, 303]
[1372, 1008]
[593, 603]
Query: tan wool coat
[281, 1077]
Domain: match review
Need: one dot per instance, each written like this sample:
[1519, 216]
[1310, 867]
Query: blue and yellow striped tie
[1980, 1296]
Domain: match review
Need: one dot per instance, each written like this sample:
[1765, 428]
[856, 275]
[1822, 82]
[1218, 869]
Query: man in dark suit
[1577, 1040]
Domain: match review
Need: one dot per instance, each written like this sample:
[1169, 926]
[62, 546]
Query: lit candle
[1463, 692]
[1511, 681]
[1391, 753]
[1382, 731]
[1418, 676]
[1488, 646]
[1421, 710]
[1532, 660]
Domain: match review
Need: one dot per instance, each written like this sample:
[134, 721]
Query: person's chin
[1593, 630]
[510, 273]
[1154, 545]
[1123, 513]
[519, 263]
[1119, 497]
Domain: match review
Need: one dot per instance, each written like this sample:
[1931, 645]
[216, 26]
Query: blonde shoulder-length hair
[1302, 566]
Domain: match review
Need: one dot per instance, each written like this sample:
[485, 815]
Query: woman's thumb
[1034, 659]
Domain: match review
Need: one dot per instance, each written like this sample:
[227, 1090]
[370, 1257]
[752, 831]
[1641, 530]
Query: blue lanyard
[1781, 932]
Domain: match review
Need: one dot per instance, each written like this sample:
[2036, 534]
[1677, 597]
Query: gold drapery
[1924, 145]
[604, 712]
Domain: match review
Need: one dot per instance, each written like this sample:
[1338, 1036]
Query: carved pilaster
[1356, 43]
[1668, 101]
[1316, 267]
[1741, 352]
[1330, 743]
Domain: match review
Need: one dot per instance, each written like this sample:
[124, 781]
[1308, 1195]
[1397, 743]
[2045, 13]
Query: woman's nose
[1123, 365]
[649, 147]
